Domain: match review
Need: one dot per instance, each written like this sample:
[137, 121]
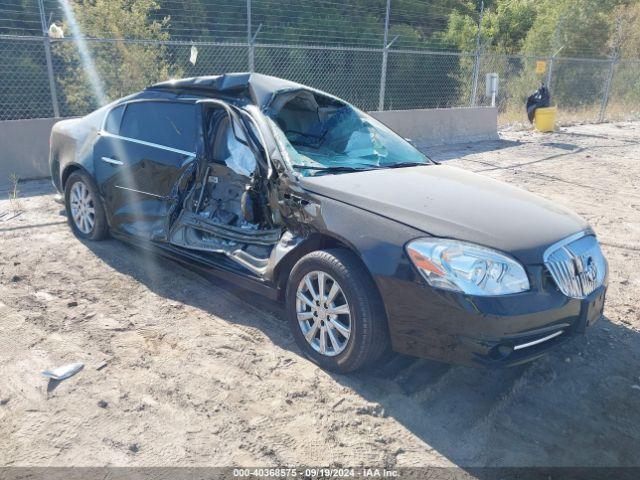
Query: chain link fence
[25, 91]
[352, 74]
[624, 99]
[392, 78]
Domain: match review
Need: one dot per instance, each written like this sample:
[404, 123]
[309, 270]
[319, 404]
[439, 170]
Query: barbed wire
[315, 22]
[214, 18]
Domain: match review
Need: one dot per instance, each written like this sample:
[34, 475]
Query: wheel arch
[373, 343]
[68, 170]
[315, 241]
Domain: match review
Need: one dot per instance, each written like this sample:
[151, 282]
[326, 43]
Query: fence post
[385, 54]
[612, 67]
[550, 71]
[607, 89]
[250, 47]
[47, 54]
[476, 65]
[552, 60]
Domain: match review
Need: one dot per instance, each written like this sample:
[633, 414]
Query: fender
[69, 169]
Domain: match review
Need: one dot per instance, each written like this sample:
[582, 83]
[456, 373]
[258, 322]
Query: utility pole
[47, 54]
[476, 65]
[385, 54]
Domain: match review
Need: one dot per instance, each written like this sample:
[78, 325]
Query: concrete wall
[24, 144]
[442, 125]
[24, 148]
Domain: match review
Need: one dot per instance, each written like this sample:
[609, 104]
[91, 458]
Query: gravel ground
[200, 373]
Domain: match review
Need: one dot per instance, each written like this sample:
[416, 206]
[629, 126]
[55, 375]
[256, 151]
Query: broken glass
[241, 158]
[319, 132]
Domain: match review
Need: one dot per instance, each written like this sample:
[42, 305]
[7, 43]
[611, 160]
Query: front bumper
[484, 331]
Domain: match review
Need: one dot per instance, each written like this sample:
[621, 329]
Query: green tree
[504, 26]
[130, 62]
[625, 42]
[581, 27]
[625, 34]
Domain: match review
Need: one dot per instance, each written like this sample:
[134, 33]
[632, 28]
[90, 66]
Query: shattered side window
[241, 158]
[320, 132]
[230, 149]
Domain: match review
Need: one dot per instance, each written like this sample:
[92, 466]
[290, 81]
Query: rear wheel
[335, 312]
[84, 209]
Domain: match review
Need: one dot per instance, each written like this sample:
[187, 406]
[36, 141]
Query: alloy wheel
[323, 313]
[82, 206]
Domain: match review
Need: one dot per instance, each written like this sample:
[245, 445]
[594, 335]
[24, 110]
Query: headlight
[465, 267]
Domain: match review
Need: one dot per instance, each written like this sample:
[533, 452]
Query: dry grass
[14, 195]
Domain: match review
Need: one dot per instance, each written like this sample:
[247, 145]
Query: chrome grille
[576, 265]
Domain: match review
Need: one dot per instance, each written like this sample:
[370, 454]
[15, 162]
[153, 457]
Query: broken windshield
[328, 136]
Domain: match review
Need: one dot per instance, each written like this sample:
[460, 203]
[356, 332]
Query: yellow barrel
[545, 119]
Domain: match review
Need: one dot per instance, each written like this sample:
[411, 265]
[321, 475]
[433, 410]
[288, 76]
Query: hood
[450, 202]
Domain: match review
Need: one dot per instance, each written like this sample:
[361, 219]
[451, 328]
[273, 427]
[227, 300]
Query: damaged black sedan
[300, 196]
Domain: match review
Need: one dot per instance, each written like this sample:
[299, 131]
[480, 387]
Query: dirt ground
[199, 373]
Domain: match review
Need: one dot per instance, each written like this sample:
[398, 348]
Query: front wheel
[84, 208]
[335, 311]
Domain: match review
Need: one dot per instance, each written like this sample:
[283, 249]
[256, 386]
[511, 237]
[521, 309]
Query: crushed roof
[254, 87]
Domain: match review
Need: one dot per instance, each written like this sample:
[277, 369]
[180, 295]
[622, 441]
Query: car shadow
[577, 406]
[445, 152]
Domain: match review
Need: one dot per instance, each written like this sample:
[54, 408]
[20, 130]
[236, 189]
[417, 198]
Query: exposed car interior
[223, 212]
[232, 164]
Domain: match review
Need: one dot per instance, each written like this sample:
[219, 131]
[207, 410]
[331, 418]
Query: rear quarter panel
[72, 145]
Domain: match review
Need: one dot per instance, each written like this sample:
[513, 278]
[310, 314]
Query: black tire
[100, 228]
[369, 337]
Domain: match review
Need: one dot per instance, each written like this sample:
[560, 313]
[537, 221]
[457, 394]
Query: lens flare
[151, 268]
[85, 56]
